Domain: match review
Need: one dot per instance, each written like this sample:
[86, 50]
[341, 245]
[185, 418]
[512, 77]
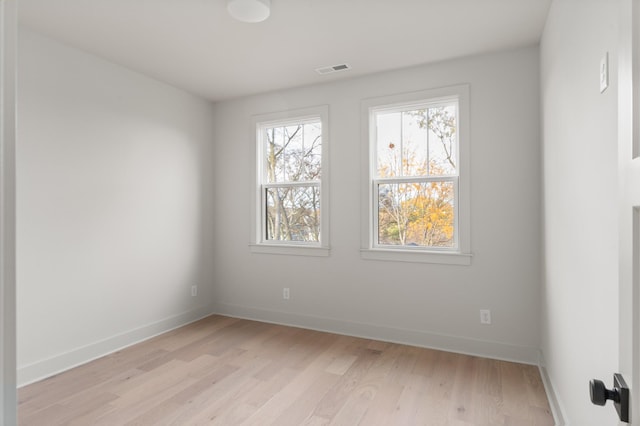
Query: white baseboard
[554, 402]
[48, 367]
[462, 345]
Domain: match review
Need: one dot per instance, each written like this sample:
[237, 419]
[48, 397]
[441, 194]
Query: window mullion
[314, 183]
[419, 179]
[428, 145]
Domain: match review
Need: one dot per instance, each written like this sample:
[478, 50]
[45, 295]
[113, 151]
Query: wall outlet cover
[485, 316]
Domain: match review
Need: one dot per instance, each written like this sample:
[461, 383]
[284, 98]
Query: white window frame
[461, 254]
[259, 243]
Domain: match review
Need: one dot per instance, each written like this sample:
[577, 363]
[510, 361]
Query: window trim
[369, 248]
[258, 243]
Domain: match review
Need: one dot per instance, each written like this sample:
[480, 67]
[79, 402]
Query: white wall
[8, 42]
[431, 305]
[580, 294]
[114, 207]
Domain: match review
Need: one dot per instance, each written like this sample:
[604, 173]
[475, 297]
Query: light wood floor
[228, 371]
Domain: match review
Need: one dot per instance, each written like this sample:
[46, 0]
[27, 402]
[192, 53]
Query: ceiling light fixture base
[250, 11]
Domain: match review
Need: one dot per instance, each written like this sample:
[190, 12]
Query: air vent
[332, 69]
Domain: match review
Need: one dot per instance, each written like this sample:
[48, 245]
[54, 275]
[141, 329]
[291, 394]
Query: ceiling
[195, 45]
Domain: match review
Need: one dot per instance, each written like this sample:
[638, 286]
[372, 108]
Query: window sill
[445, 258]
[291, 250]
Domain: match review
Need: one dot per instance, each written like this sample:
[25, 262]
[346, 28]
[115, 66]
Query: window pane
[274, 154]
[415, 148]
[293, 214]
[416, 214]
[293, 153]
[443, 140]
[417, 142]
[312, 151]
[389, 147]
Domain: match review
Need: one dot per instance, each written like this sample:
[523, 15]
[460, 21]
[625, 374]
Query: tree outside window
[291, 188]
[416, 176]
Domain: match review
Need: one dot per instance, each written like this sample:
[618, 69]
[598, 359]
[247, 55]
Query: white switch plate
[604, 72]
[485, 316]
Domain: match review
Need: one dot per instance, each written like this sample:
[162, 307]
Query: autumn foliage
[416, 178]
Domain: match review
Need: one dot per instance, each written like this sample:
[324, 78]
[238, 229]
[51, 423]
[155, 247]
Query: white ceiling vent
[332, 69]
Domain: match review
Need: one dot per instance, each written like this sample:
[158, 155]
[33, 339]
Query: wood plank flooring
[227, 371]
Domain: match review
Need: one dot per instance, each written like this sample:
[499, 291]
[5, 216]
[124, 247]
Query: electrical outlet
[485, 316]
[285, 293]
[194, 290]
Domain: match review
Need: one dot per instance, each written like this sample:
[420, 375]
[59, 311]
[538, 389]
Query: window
[291, 201]
[417, 185]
